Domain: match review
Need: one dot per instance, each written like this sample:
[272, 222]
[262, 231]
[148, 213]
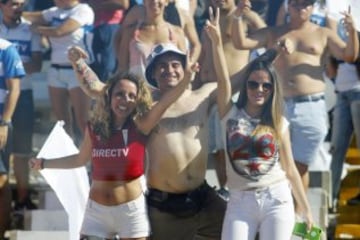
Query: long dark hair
[272, 112]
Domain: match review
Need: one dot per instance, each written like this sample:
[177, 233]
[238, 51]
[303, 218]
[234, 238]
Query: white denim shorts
[128, 220]
[62, 78]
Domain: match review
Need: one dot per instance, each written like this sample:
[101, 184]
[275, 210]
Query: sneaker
[354, 201]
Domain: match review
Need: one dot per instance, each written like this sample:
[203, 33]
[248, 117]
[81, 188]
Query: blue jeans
[308, 128]
[105, 57]
[346, 121]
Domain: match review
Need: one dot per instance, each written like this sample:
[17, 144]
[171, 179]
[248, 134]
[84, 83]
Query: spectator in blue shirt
[11, 70]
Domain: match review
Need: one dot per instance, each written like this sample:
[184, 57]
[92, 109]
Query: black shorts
[23, 123]
[181, 205]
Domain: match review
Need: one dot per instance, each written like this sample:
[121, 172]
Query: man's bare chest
[305, 43]
[184, 116]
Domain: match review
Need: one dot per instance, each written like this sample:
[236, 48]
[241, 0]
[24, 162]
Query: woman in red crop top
[260, 169]
[115, 140]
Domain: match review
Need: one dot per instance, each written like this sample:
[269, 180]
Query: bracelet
[5, 123]
[42, 160]
[238, 18]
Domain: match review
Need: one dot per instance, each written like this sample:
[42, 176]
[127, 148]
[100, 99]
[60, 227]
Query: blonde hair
[101, 117]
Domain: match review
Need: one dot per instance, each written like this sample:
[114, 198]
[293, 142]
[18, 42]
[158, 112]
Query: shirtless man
[236, 59]
[301, 72]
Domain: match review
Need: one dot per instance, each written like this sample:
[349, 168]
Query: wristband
[5, 123]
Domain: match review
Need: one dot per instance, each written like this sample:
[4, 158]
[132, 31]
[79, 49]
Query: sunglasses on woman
[253, 85]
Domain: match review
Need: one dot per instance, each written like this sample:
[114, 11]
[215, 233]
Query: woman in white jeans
[260, 168]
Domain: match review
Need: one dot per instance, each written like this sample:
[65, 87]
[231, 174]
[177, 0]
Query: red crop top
[121, 157]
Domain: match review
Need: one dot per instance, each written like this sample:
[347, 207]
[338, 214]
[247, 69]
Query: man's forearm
[352, 48]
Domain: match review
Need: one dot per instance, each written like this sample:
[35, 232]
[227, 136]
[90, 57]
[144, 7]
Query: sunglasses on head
[253, 85]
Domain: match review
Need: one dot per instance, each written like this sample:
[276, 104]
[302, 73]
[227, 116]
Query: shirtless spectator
[301, 72]
[236, 59]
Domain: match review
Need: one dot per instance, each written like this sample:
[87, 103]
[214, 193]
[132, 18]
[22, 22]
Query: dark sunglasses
[253, 85]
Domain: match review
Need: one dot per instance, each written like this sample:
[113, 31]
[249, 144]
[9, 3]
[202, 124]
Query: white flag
[71, 186]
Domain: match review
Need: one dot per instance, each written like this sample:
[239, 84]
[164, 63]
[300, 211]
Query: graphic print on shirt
[121, 157]
[251, 155]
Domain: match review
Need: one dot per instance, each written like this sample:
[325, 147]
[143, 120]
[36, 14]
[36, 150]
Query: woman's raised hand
[76, 53]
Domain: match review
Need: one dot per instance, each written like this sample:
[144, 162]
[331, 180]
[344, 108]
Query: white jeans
[269, 211]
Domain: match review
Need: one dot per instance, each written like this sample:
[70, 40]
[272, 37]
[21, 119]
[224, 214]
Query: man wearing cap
[301, 72]
[178, 195]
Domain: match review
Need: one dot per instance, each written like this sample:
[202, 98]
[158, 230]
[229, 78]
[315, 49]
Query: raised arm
[284, 46]
[191, 34]
[88, 80]
[148, 121]
[133, 15]
[123, 54]
[338, 49]
[212, 28]
[239, 37]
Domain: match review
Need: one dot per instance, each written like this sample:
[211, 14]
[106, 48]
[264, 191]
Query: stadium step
[348, 218]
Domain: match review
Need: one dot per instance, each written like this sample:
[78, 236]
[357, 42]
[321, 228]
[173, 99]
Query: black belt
[306, 98]
[160, 196]
[58, 66]
[181, 205]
